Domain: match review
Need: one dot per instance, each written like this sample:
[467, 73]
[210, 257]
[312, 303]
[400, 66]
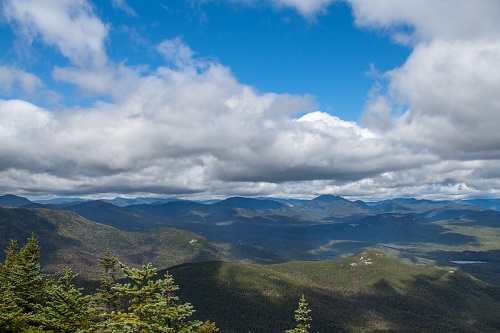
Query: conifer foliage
[107, 299]
[32, 302]
[22, 290]
[153, 304]
[302, 317]
[65, 308]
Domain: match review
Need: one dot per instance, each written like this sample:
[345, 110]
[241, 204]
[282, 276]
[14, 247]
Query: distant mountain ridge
[13, 200]
[300, 227]
[321, 201]
[249, 203]
[487, 203]
[323, 228]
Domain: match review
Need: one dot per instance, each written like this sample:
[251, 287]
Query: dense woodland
[31, 301]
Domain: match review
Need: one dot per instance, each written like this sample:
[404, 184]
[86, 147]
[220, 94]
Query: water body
[465, 262]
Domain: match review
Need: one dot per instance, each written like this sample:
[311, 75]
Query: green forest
[31, 301]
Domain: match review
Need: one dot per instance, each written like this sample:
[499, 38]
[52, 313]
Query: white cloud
[444, 99]
[427, 20]
[123, 5]
[190, 127]
[452, 93]
[176, 52]
[10, 77]
[110, 81]
[307, 8]
[185, 130]
[69, 25]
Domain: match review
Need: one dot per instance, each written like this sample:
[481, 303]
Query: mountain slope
[486, 203]
[109, 214]
[426, 209]
[330, 208]
[249, 203]
[68, 239]
[368, 292]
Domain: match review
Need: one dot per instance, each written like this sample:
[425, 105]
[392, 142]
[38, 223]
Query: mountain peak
[249, 203]
[328, 198]
[14, 200]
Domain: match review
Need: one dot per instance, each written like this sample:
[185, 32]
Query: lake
[465, 262]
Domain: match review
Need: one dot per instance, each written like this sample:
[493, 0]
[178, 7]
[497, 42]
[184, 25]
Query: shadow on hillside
[19, 224]
[243, 298]
[483, 265]
[484, 219]
[331, 240]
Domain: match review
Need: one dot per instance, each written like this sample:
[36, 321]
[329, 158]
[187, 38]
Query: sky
[278, 98]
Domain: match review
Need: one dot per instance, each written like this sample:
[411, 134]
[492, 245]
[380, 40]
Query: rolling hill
[67, 239]
[367, 292]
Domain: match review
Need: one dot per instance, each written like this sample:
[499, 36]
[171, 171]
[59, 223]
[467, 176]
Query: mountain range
[323, 228]
[393, 265]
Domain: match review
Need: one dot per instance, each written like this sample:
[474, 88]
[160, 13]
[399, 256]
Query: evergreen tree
[302, 317]
[31, 303]
[22, 287]
[10, 260]
[22, 275]
[153, 305]
[12, 318]
[66, 309]
[208, 327]
[10, 313]
[107, 298]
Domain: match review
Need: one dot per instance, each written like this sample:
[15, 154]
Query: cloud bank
[190, 128]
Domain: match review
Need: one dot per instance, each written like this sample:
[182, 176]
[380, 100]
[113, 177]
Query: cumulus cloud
[184, 130]
[151, 140]
[190, 127]
[451, 91]
[176, 52]
[113, 80]
[309, 9]
[68, 25]
[444, 99]
[12, 78]
[427, 20]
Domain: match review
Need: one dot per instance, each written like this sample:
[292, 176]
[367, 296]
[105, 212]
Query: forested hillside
[31, 301]
[368, 292]
[70, 240]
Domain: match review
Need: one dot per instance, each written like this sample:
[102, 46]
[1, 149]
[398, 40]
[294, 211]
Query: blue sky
[280, 50]
[325, 55]
[212, 98]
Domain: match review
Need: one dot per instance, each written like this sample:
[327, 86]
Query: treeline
[31, 301]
